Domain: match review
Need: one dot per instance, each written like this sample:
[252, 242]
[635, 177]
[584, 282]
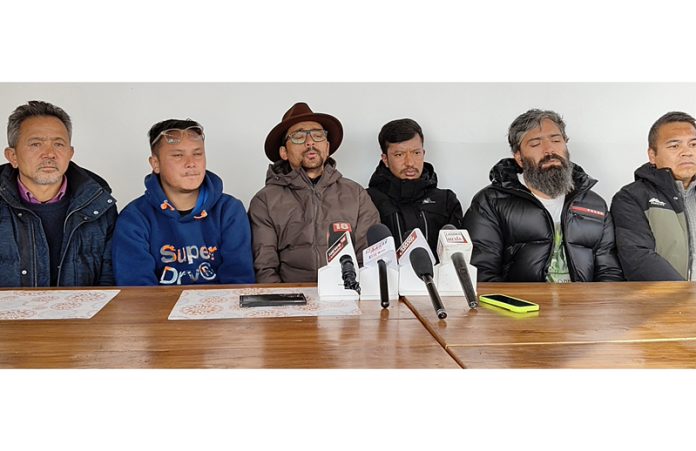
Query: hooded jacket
[290, 219]
[85, 253]
[652, 233]
[155, 245]
[512, 232]
[404, 205]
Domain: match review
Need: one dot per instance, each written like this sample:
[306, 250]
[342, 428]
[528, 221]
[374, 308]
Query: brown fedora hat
[300, 112]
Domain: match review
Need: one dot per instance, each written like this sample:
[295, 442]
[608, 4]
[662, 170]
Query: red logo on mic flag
[341, 227]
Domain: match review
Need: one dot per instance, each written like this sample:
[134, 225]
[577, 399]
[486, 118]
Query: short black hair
[668, 118]
[159, 127]
[397, 131]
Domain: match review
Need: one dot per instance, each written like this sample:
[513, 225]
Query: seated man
[404, 187]
[538, 220]
[303, 196]
[184, 230]
[655, 216]
[56, 218]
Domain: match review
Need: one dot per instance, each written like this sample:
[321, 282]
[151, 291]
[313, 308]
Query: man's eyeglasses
[176, 135]
[300, 136]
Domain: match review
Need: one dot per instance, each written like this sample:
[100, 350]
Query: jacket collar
[504, 175]
[280, 173]
[662, 178]
[403, 191]
[83, 185]
[211, 190]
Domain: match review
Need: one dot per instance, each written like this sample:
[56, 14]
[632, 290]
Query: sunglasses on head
[176, 135]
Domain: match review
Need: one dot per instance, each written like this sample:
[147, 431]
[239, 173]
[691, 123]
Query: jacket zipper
[564, 221]
[425, 224]
[72, 232]
[32, 234]
[398, 227]
[33, 254]
[317, 233]
[688, 235]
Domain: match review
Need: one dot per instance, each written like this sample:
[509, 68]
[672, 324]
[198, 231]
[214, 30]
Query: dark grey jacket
[85, 256]
[652, 234]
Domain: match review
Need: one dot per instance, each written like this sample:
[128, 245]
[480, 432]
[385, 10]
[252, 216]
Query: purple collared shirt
[29, 198]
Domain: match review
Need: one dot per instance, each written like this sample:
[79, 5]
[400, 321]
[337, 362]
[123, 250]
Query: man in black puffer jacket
[404, 187]
[538, 220]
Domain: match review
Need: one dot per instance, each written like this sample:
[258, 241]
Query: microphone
[338, 240]
[375, 234]
[423, 267]
[348, 273]
[445, 248]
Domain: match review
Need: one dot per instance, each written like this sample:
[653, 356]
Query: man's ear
[283, 153]
[385, 159]
[154, 162]
[518, 158]
[651, 155]
[11, 156]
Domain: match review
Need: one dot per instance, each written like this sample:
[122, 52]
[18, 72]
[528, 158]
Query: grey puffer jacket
[290, 219]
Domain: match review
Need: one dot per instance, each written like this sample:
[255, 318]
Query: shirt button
[109, 201]
[96, 212]
[24, 272]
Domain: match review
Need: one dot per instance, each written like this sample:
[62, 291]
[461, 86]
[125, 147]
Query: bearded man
[304, 195]
[539, 220]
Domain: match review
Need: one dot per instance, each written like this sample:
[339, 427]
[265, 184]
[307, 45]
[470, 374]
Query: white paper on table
[53, 304]
[224, 304]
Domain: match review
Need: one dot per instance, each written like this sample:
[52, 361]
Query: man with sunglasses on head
[304, 195]
[56, 218]
[184, 230]
[539, 220]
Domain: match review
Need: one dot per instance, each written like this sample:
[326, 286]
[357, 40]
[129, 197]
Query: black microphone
[463, 273]
[423, 267]
[348, 274]
[375, 234]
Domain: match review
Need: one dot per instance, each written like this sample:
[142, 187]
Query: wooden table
[583, 325]
[594, 325]
[132, 331]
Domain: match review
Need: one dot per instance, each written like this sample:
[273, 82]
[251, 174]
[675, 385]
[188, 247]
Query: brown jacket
[290, 221]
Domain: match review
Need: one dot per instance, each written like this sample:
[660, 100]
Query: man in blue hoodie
[184, 230]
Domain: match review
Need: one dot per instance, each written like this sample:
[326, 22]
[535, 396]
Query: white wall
[465, 124]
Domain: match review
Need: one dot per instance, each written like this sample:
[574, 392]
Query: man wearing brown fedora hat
[304, 195]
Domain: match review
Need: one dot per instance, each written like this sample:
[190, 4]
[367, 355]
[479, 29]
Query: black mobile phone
[272, 299]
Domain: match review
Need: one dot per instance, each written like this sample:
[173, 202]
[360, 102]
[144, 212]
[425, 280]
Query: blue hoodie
[154, 245]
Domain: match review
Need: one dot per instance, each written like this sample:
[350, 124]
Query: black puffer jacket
[652, 232]
[512, 232]
[406, 204]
